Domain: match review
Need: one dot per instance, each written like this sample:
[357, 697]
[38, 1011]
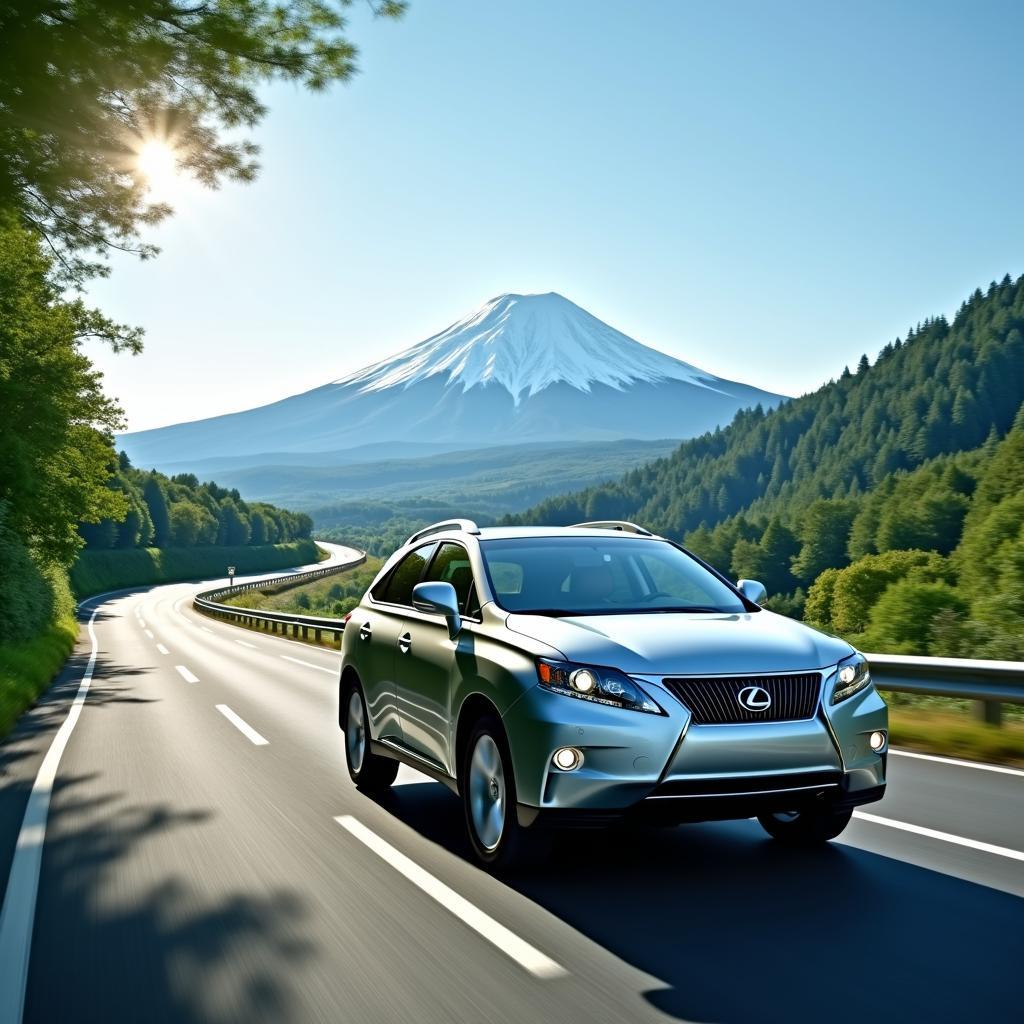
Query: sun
[157, 161]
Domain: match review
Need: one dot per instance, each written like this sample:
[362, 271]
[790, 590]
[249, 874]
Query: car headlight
[853, 677]
[599, 685]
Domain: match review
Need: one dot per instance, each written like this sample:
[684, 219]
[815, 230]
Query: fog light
[877, 741]
[568, 758]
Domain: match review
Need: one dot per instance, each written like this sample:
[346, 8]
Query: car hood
[686, 644]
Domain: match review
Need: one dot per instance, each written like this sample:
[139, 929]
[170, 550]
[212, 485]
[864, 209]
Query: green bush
[34, 591]
[26, 668]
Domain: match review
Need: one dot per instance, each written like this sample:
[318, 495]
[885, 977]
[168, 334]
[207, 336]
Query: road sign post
[231, 575]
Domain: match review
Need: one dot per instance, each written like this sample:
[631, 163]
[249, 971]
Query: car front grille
[715, 700]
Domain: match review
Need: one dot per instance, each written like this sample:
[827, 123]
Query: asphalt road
[194, 869]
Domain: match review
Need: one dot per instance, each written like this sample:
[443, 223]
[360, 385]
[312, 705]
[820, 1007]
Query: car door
[380, 625]
[427, 660]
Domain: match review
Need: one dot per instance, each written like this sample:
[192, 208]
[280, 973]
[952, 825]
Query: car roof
[521, 532]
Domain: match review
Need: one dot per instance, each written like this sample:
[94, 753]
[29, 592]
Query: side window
[397, 589]
[451, 565]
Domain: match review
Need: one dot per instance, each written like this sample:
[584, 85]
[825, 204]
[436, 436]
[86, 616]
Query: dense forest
[888, 505]
[181, 512]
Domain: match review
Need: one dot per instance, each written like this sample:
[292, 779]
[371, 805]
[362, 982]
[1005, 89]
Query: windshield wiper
[583, 612]
[695, 608]
[553, 612]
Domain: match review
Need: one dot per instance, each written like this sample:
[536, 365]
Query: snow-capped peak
[526, 343]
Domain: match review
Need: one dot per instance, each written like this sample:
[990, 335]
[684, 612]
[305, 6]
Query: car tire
[805, 828]
[488, 787]
[370, 772]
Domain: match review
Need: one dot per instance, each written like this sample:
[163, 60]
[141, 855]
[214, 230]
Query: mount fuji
[520, 369]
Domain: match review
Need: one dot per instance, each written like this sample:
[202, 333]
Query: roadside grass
[27, 668]
[956, 734]
[330, 597]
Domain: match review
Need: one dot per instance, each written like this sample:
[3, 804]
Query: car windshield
[597, 576]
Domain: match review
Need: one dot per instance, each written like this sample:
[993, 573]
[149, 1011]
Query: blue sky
[764, 189]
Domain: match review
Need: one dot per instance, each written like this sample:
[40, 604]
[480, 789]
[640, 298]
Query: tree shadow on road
[740, 929]
[109, 948]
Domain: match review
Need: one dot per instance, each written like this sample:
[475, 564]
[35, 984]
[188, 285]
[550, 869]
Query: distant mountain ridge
[521, 368]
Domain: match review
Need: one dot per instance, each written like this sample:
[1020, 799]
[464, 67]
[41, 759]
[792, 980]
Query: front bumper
[666, 768]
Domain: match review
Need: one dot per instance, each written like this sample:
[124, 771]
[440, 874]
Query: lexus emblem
[754, 698]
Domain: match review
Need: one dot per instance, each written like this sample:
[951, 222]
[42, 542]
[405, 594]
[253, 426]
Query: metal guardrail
[210, 602]
[990, 683]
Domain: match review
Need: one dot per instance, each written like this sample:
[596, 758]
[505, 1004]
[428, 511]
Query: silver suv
[587, 674]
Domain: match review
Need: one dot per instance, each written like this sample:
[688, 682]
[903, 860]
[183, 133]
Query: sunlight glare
[157, 162]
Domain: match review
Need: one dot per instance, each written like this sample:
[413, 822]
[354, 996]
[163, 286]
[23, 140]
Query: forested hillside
[180, 512]
[912, 454]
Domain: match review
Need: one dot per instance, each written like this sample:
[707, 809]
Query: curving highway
[203, 857]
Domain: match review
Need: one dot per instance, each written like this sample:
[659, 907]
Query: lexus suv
[584, 675]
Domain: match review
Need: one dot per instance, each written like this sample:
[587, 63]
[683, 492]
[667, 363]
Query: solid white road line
[242, 726]
[509, 943]
[245, 643]
[149, 633]
[185, 674]
[945, 837]
[162, 649]
[1002, 769]
[19, 908]
[307, 664]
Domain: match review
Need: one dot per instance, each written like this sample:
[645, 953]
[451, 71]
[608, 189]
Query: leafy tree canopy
[56, 449]
[85, 83]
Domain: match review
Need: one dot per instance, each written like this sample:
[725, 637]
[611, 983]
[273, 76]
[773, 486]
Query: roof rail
[465, 525]
[613, 524]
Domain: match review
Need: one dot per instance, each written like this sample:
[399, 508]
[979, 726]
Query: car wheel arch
[349, 677]
[473, 708]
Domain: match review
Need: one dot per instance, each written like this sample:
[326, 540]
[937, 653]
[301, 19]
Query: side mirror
[439, 599]
[752, 591]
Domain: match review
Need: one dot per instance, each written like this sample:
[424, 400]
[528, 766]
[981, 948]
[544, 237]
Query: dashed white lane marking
[307, 664]
[242, 726]
[149, 633]
[19, 907]
[142, 622]
[245, 643]
[945, 837]
[206, 629]
[162, 649]
[1002, 769]
[527, 956]
[185, 674]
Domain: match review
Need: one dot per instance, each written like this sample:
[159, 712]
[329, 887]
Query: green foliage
[85, 83]
[825, 532]
[818, 606]
[34, 590]
[842, 600]
[181, 512]
[96, 572]
[56, 451]
[28, 666]
[156, 501]
[769, 559]
[901, 620]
